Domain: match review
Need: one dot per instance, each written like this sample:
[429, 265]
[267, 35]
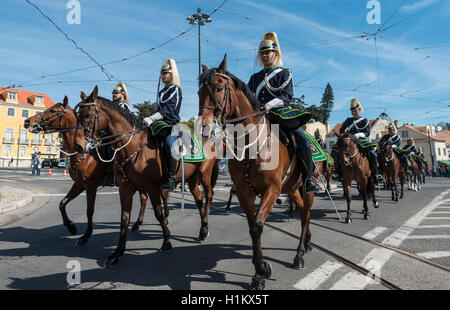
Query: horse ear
[204, 68]
[94, 94]
[83, 96]
[223, 65]
[65, 102]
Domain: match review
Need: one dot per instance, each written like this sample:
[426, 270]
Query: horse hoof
[268, 270]
[362, 211]
[348, 221]
[203, 236]
[376, 205]
[309, 248]
[299, 263]
[166, 247]
[72, 228]
[111, 261]
[367, 217]
[81, 241]
[257, 285]
[396, 200]
[135, 227]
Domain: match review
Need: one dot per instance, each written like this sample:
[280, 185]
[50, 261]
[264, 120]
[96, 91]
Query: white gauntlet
[153, 118]
[274, 103]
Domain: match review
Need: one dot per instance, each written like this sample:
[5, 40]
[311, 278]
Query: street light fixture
[200, 20]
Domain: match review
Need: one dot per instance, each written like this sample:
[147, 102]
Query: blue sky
[317, 38]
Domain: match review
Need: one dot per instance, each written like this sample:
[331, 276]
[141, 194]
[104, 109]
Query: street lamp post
[200, 20]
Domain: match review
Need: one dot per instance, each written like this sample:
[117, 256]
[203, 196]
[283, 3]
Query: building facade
[17, 145]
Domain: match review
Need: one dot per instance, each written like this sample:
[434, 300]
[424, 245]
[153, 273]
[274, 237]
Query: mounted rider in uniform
[318, 138]
[274, 89]
[360, 127]
[167, 116]
[395, 140]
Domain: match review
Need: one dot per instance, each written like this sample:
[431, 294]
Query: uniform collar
[268, 70]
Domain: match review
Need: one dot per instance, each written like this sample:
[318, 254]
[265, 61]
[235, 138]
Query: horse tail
[215, 173]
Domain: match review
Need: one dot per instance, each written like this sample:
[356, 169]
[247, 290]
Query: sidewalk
[13, 198]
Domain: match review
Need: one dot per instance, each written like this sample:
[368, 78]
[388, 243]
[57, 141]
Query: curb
[4, 208]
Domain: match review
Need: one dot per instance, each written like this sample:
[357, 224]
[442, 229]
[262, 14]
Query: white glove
[153, 118]
[360, 135]
[274, 103]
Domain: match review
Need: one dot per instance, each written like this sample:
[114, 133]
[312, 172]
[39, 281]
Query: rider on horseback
[167, 116]
[395, 140]
[318, 138]
[274, 88]
[360, 128]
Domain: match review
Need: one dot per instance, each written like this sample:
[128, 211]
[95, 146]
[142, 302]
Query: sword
[180, 135]
[326, 189]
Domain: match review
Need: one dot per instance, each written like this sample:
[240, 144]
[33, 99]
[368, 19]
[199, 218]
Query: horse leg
[256, 224]
[230, 198]
[91, 194]
[140, 218]
[126, 202]
[396, 189]
[75, 190]
[206, 183]
[195, 191]
[348, 191]
[304, 207]
[155, 198]
[365, 187]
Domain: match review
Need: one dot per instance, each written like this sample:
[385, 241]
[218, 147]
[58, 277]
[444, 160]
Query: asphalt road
[37, 251]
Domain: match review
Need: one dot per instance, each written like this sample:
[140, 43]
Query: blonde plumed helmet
[122, 89]
[171, 66]
[270, 42]
[354, 104]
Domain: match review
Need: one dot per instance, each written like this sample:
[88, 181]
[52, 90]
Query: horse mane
[209, 75]
[129, 117]
[340, 140]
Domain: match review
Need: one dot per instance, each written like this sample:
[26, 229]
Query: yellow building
[17, 145]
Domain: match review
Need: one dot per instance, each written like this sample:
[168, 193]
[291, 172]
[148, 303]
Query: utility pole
[431, 151]
[200, 20]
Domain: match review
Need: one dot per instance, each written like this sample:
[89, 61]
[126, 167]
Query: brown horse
[393, 169]
[137, 164]
[86, 171]
[227, 100]
[355, 167]
[415, 175]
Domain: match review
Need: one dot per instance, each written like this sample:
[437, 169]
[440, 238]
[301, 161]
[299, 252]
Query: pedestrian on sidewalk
[36, 162]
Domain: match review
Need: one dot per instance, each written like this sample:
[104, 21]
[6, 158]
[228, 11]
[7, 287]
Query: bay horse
[393, 169]
[86, 171]
[225, 99]
[137, 165]
[356, 167]
[414, 175]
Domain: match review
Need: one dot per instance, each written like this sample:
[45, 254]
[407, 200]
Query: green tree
[190, 123]
[145, 109]
[326, 103]
[298, 103]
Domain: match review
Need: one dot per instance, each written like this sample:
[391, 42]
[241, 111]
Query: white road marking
[63, 195]
[435, 254]
[437, 218]
[429, 237]
[371, 235]
[313, 280]
[433, 226]
[441, 212]
[375, 260]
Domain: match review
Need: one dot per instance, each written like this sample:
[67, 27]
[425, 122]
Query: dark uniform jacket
[169, 104]
[122, 104]
[360, 125]
[410, 148]
[276, 77]
[394, 139]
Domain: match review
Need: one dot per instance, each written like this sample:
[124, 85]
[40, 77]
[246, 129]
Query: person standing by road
[36, 162]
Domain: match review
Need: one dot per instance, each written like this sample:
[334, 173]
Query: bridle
[43, 124]
[350, 155]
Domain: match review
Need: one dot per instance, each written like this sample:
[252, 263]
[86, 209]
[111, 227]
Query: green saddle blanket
[193, 147]
[330, 159]
[366, 144]
[157, 126]
[318, 153]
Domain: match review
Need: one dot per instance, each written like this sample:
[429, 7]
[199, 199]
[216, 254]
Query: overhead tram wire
[111, 62]
[71, 40]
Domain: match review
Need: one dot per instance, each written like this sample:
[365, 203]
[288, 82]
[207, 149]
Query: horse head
[347, 146]
[53, 119]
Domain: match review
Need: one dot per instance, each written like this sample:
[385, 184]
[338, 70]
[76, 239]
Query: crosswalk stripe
[313, 280]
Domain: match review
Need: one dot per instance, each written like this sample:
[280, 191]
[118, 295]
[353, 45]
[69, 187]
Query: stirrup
[314, 188]
[168, 184]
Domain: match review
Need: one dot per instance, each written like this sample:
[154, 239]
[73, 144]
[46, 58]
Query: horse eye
[219, 89]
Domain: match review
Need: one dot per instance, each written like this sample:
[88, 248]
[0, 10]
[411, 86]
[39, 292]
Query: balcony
[8, 140]
[36, 142]
[24, 141]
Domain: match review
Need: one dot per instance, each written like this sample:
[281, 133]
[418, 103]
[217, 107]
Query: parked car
[63, 163]
[49, 162]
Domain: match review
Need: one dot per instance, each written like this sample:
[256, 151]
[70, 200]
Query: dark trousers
[304, 152]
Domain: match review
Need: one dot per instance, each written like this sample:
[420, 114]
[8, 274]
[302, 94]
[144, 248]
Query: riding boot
[306, 162]
[108, 176]
[171, 163]
[373, 166]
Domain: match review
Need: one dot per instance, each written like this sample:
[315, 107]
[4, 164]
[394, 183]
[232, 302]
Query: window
[23, 135]
[39, 100]
[22, 150]
[11, 111]
[48, 149]
[7, 150]
[9, 134]
[439, 151]
[36, 149]
[36, 138]
[404, 134]
[25, 113]
[37, 112]
[12, 96]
